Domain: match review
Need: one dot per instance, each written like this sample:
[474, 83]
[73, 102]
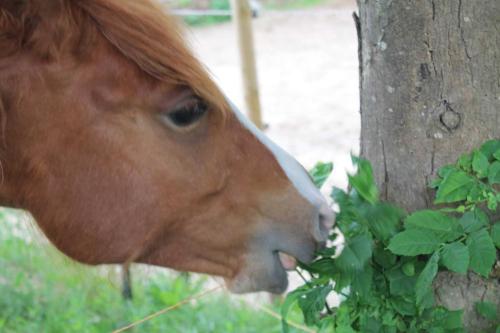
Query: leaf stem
[302, 277]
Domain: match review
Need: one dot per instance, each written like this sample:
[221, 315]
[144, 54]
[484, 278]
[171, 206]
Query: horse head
[124, 150]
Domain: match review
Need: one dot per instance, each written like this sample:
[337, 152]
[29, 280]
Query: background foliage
[193, 20]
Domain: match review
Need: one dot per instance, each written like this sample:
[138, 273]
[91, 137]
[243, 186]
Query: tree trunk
[430, 91]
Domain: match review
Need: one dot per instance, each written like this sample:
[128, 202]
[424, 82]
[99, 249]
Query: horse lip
[280, 285]
[288, 262]
[274, 281]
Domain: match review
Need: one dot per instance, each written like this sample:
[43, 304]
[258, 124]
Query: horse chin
[265, 264]
[263, 272]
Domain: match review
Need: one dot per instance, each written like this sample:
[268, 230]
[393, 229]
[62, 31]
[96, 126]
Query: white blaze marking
[294, 171]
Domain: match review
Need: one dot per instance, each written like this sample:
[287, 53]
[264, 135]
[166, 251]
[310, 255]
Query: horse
[118, 142]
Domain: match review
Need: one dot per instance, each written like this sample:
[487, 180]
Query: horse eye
[188, 114]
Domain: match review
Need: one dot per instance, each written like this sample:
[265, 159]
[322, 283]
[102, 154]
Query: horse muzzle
[279, 250]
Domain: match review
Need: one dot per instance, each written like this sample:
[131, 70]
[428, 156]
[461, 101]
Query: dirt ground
[308, 78]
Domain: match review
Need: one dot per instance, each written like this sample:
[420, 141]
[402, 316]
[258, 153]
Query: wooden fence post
[126, 282]
[242, 17]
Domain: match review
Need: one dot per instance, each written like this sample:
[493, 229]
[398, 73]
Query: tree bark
[430, 91]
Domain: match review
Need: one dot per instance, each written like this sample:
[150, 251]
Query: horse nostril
[323, 223]
[326, 217]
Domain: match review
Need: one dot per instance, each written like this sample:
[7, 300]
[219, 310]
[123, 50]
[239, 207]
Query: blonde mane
[140, 29]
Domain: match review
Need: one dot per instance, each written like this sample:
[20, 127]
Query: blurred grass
[293, 4]
[225, 5]
[206, 20]
[42, 291]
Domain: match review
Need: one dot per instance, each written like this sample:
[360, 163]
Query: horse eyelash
[188, 114]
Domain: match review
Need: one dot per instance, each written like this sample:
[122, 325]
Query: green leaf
[323, 266]
[383, 219]
[487, 310]
[344, 329]
[490, 148]
[368, 324]
[347, 211]
[356, 253]
[494, 173]
[328, 251]
[320, 173]
[388, 318]
[403, 306]
[414, 242]
[400, 284]
[380, 282]
[326, 324]
[290, 300]
[476, 193]
[363, 181]
[455, 257]
[482, 252]
[362, 282]
[492, 203]
[409, 268]
[313, 302]
[453, 320]
[480, 164]
[401, 326]
[496, 155]
[474, 220]
[465, 162]
[445, 227]
[436, 330]
[428, 300]
[383, 257]
[454, 187]
[435, 183]
[344, 315]
[424, 281]
[447, 169]
[495, 234]
[342, 280]
[443, 320]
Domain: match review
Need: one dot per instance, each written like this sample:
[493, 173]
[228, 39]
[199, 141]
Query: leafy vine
[390, 259]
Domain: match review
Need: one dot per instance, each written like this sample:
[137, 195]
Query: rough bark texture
[456, 291]
[430, 90]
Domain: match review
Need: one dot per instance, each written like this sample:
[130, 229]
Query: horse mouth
[265, 264]
[288, 262]
[268, 273]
